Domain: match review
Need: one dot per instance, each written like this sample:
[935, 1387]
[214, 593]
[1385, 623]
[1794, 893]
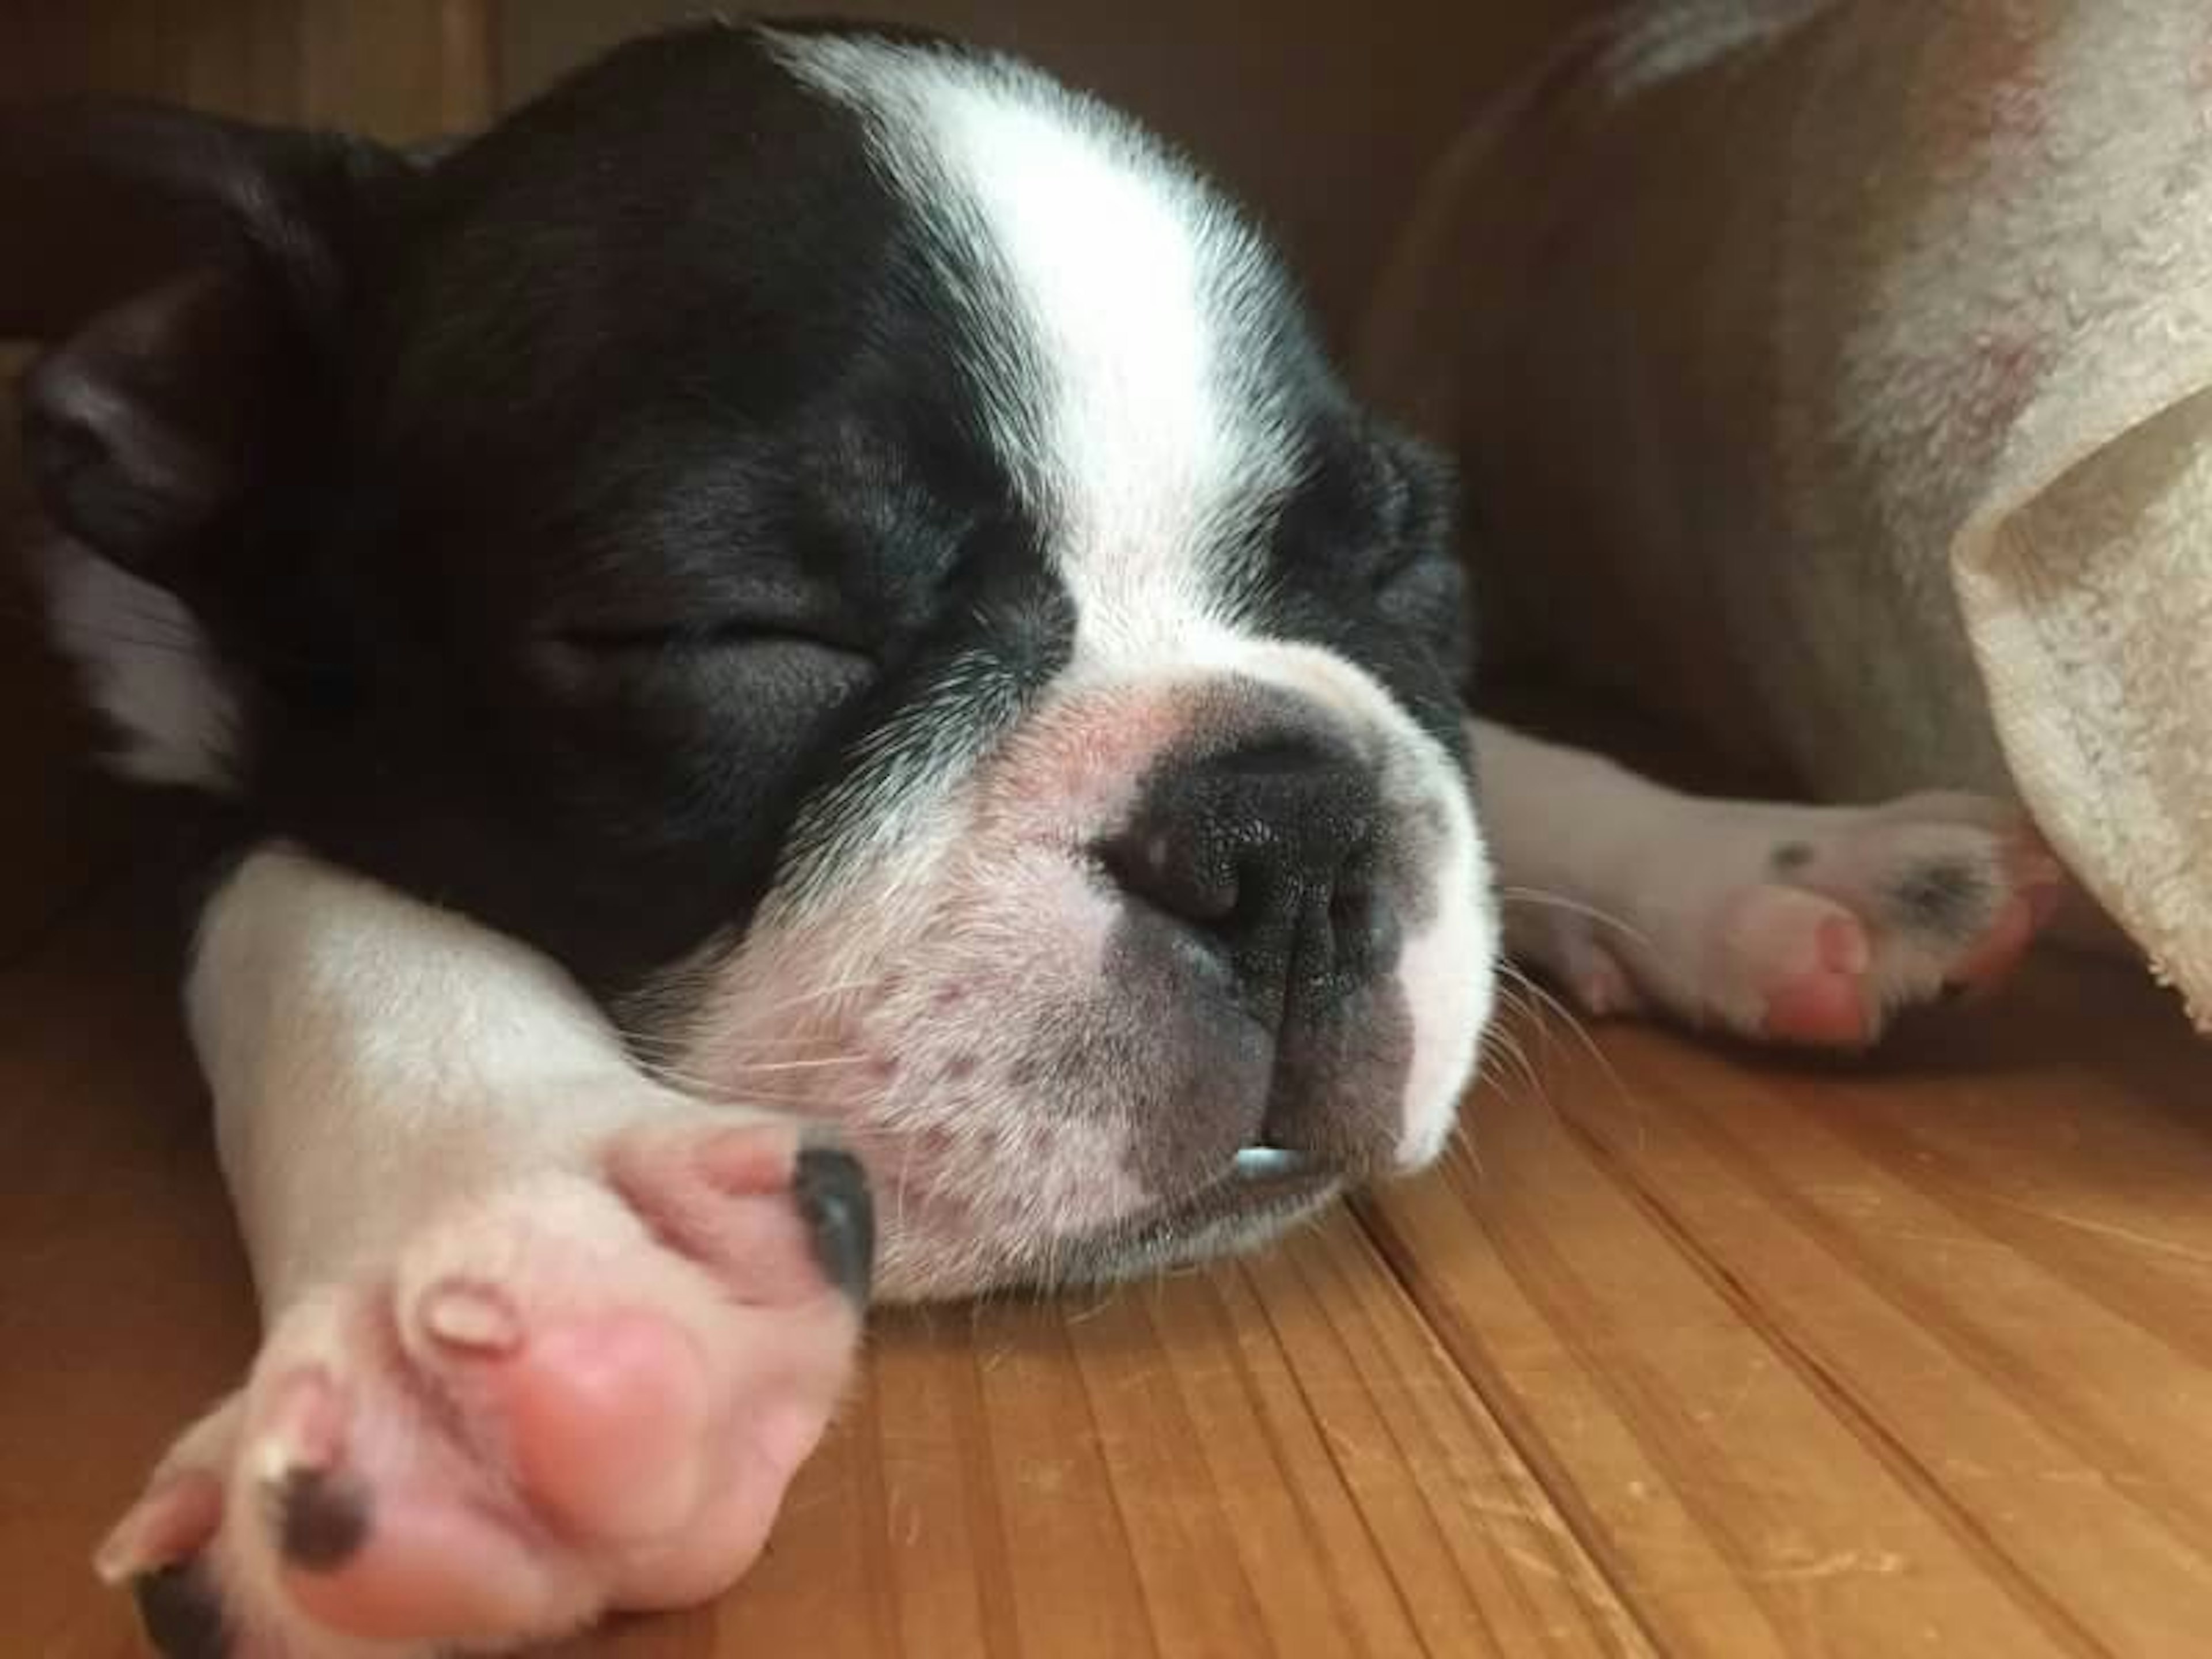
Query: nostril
[1154, 866]
[1270, 855]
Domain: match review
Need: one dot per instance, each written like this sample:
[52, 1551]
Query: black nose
[1270, 854]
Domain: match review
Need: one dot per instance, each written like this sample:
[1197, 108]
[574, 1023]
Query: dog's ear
[191, 273]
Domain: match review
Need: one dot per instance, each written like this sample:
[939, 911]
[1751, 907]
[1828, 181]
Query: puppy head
[851, 548]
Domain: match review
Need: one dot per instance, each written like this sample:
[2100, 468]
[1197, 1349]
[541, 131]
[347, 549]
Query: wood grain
[399, 70]
[1682, 1351]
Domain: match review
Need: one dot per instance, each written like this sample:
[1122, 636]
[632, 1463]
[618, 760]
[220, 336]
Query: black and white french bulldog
[803, 618]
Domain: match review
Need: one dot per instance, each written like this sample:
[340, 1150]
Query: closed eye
[720, 661]
[622, 639]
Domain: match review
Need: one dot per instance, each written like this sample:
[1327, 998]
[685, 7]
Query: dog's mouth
[1256, 1168]
[1264, 1190]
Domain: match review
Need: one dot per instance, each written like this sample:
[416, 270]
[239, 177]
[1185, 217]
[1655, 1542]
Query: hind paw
[1813, 927]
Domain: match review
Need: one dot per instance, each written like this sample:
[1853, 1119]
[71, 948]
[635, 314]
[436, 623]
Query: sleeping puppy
[802, 618]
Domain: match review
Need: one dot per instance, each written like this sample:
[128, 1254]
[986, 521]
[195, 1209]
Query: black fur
[569, 507]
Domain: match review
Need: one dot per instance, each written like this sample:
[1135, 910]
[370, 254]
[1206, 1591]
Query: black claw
[181, 1612]
[321, 1520]
[831, 1191]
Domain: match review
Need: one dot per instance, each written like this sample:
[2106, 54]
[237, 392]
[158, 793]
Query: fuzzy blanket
[1837, 375]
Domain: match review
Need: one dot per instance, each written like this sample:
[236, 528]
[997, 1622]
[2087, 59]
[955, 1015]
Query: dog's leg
[1796, 924]
[543, 1337]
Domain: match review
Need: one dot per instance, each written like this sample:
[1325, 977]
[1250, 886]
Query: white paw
[1808, 926]
[583, 1392]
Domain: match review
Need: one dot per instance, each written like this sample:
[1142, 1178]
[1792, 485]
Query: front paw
[580, 1393]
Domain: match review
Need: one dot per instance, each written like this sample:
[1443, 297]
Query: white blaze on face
[1142, 428]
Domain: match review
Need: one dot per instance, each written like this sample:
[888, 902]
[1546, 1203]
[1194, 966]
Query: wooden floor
[1681, 1352]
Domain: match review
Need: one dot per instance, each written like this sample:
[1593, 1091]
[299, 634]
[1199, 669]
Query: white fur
[1631, 896]
[1156, 438]
[145, 666]
[373, 1059]
[381, 1071]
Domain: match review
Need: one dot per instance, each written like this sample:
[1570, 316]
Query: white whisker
[1575, 906]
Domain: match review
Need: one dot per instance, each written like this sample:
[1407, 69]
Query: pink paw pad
[1825, 1005]
[1803, 961]
[1915, 911]
[583, 1395]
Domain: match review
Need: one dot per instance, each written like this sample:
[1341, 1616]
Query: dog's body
[809, 594]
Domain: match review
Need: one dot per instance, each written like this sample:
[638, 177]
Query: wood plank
[1272, 1457]
[399, 70]
[1269, 1457]
[124, 1309]
[1686, 1351]
[1858, 1360]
